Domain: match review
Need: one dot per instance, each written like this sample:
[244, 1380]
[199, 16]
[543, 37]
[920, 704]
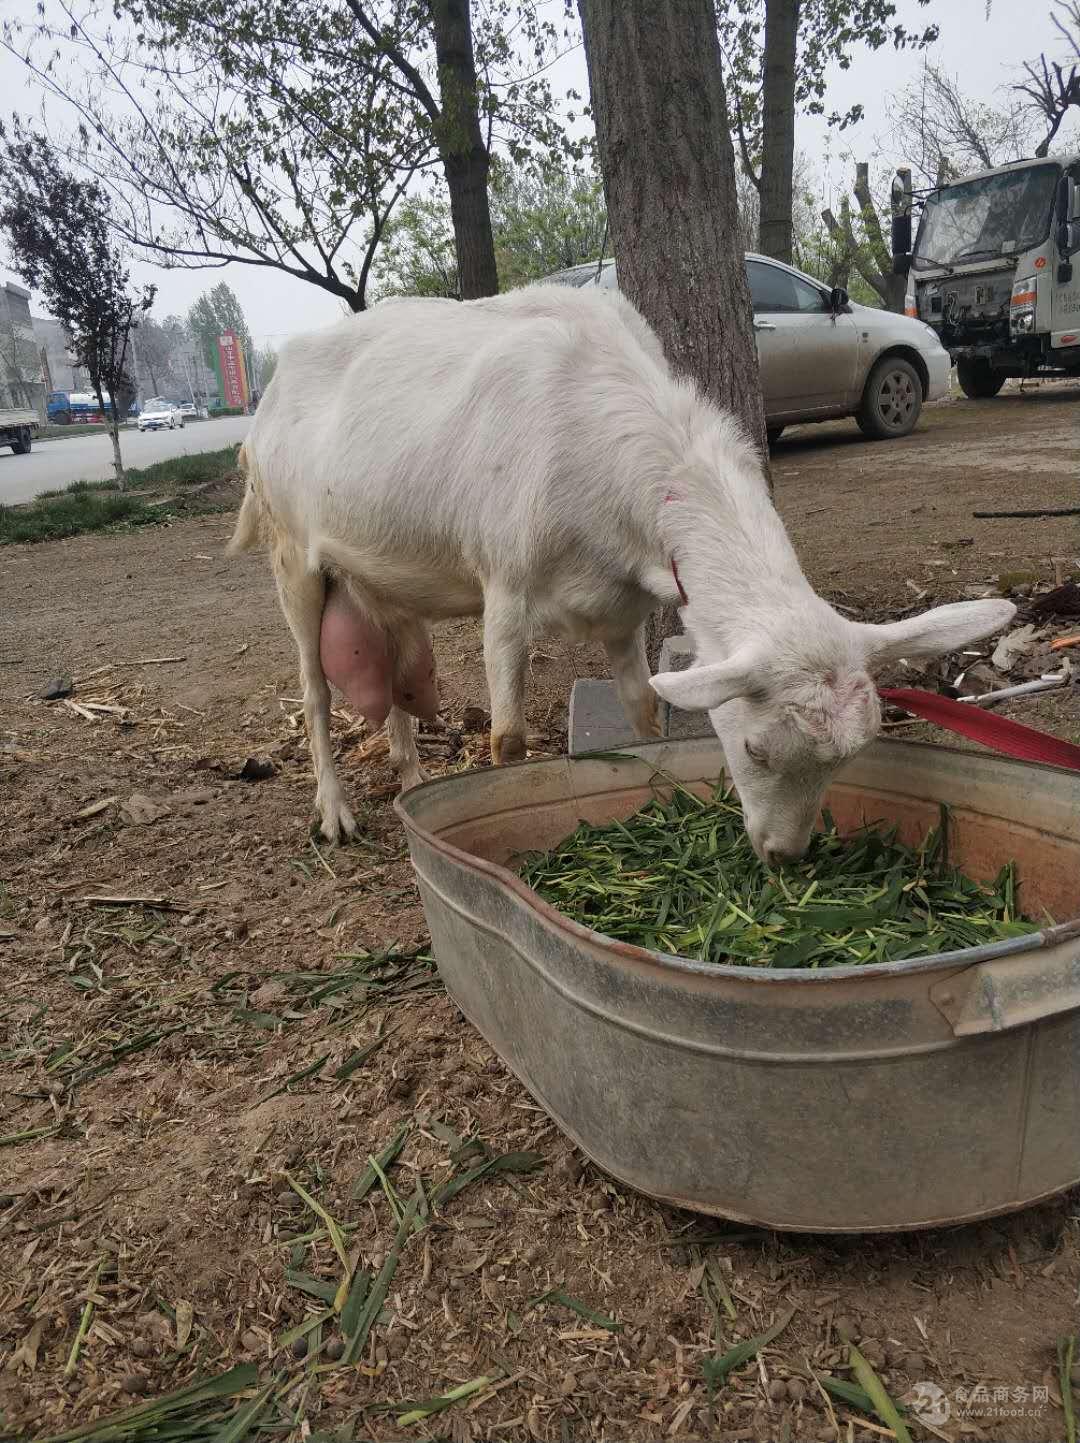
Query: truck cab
[995, 270]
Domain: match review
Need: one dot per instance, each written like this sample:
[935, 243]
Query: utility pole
[134, 374]
[187, 378]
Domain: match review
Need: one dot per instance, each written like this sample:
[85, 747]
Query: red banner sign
[233, 373]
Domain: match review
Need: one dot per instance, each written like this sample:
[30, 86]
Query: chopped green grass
[681, 876]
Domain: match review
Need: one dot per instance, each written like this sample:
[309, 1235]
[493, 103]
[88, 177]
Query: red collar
[678, 583]
[671, 496]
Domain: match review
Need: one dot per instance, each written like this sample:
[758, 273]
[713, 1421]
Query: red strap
[678, 583]
[671, 496]
[996, 732]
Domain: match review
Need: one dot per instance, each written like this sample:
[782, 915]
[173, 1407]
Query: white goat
[533, 458]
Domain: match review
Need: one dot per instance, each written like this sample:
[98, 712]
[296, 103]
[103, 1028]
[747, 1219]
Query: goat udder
[415, 690]
[355, 656]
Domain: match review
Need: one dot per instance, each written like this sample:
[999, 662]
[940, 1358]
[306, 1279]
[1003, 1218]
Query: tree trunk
[113, 423]
[669, 181]
[114, 436]
[778, 129]
[890, 287]
[840, 265]
[461, 145]
[873, 259]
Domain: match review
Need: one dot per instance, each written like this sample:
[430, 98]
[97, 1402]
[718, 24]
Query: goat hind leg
[303, 595]
[404, 758]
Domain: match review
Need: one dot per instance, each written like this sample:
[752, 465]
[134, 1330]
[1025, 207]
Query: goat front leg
[303, 595]
[506, 657]
[630, 669]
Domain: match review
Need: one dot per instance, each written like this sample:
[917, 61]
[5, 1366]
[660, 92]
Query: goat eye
[756, 754]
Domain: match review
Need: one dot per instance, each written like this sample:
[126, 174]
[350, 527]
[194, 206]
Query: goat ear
[936, 632]
[703, 688]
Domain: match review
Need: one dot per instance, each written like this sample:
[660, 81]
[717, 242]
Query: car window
[576, 276]
[774, 289]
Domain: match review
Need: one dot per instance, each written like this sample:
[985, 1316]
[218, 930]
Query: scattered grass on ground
[187, 470]
[50, 432]
[99, 505]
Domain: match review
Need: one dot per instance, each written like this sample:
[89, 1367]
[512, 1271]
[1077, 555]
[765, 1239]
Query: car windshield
[979, 219]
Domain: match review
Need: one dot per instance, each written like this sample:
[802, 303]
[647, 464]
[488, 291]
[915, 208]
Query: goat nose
[773, 855]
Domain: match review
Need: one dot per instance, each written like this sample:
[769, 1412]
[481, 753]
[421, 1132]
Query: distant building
[61, 372]
[22, 382]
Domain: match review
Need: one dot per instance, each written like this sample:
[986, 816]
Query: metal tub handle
[1014, 991]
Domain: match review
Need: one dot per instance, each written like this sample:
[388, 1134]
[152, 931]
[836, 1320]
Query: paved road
[55, 463]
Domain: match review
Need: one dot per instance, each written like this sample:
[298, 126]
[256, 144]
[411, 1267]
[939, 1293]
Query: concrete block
[597, 722]
[676, 654]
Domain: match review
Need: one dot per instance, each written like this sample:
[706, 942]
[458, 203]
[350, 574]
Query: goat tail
[248, 531]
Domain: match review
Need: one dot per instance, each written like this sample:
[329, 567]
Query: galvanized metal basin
[897, 1096]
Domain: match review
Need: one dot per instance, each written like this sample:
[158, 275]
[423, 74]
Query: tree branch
[869, 217]
[845, 236]
[386, 47]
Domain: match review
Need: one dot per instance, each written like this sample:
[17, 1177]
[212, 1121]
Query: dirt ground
[174, 1060]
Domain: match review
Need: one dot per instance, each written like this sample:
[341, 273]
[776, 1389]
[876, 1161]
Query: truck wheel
[21, 445]
[891, 401]
[977, 380]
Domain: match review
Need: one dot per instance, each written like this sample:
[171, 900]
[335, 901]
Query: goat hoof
[649, 719]
[506, 748]
[337, 823]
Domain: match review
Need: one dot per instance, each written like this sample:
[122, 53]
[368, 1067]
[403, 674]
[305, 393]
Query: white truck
[18, 430]
[995, 270]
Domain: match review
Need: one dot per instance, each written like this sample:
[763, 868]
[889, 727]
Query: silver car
[823, 355]
[159, 415]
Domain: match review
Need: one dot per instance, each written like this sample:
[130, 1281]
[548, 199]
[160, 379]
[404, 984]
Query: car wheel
[773, 434]
[977, 380]
[891, 401]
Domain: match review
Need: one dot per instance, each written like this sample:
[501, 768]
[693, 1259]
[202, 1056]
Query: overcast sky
[983, 52]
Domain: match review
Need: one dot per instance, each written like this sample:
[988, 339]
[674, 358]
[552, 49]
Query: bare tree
[257, 137]
[669, 180]
[283, 133]
[946, 133]
[862, 245]
[1052, 89]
